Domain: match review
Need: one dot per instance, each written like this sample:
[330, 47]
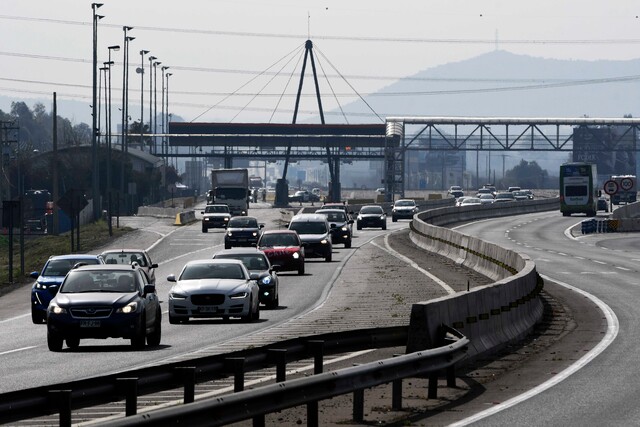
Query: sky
[240, 60]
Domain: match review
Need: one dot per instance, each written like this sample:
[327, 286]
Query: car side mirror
[154, 265]
[254, 276]
[149, 289]
[201, 212]
[261, 226]
[171, 278]
[333, 226]
[350, 221]
[275, 267]
[34, 274]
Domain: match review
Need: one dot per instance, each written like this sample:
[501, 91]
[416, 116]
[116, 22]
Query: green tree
[526, 175]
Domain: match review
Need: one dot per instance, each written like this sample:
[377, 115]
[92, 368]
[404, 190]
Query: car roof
[282, 231]
[239, 251]
[309, 217]
[115, 251]
[405, 200]
[74, 256]
[215, 261]
[322, 211]
[371, 206]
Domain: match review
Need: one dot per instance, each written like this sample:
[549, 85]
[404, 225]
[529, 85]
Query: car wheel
[54, 341]
[256, 314]
[347, 244]
[301, 269]
[328, 258]
[394, 219]
[73, 343]
[227, 245]
[37, 317]
[205, 229]
[153, 339]
[359, 226]
[173, 320]
[272, 305]
[384, 226]
[138, 341]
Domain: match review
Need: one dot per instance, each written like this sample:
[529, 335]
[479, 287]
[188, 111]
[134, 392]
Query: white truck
[231, 187]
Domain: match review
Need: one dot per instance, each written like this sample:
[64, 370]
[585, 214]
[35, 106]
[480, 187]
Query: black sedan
[104, 301]
[340, 224]
[260, 269]
[242, 231]
[371, 216]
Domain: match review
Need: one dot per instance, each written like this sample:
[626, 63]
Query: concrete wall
[491, 316]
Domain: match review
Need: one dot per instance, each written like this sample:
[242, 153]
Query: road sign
[626, 184]
[611, 187]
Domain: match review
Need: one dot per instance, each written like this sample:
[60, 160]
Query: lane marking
[599, 262]
[624, 268]
[18, 349]
[613, 328]
[15, 318]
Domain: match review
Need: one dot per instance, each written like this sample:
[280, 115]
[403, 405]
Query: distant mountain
[553, 91]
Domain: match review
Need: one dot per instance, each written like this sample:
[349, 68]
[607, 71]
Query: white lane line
[18, 349]
[579, 257]
[389, 250]
[623, 268]
[15, 318]
[613, 328]
[599, 262]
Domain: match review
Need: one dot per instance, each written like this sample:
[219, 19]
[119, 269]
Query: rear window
[371, 210]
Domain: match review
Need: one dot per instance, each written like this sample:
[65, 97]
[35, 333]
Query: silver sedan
[213, 288]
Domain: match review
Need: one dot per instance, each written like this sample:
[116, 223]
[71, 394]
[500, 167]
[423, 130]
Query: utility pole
[95, 187]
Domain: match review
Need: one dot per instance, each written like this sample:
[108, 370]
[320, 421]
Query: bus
[578, 189]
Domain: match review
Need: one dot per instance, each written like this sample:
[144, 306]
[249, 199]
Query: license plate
[208, 309]
[90, 324]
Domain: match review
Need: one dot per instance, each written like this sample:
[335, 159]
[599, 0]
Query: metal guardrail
[63, 398]
[222, 410]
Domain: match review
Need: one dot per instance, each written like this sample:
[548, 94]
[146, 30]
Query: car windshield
[125, 258]
[60, 267]
[371, 210]
[251, 261]
[278, 240]
[217, 209]
[99, 281]
[212, 271]
[334, 216]
[505, 196]
[405, 203]
[243, 222]
[308, 227]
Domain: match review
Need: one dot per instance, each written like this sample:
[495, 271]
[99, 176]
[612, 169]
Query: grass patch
[37, 249]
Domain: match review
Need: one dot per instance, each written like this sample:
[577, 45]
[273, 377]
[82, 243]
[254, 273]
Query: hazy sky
[218, 47]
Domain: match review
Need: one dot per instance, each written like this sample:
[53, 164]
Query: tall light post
[168, 115]
[114, 48]
[94, 130]
[162, 142]
[155, 103]
[152, 148]
[142, 54]
[125, 112]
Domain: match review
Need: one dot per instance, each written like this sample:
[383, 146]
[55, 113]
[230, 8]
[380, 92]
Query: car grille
[91, 312]
[207, 299]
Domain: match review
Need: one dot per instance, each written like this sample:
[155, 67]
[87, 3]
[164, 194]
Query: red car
[284, 250]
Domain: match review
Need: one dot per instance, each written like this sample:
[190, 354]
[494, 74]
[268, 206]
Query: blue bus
[578, 189]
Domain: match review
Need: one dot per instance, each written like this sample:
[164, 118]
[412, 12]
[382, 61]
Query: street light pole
[167, 111]
[142, 54]
[109, 164]
[155, 103]
[125, 113]
[152, 148]
[162, 141]
[94, 146]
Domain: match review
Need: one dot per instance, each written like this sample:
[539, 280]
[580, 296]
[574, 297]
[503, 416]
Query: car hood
[312, 238]
[95, 298]
[404, 208]
[338, 224]
[50, 280]
[370, 215]
[209, 285]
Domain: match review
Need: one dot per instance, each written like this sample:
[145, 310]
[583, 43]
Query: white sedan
[471, 201]
[213, 288]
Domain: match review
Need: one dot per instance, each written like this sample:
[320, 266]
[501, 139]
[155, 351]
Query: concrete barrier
[491, 316]
[183, 218]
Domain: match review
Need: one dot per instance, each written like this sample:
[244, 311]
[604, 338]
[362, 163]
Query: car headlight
[129, 308]
[344, 228]
[254, 234]
[382, 217]
[393, 210]
[296, 255]
[56, 309]
[324, 241]
[239, 295]
[226, 218]
[266, 280]
[229, 234]
[40, 285]
[176, 295]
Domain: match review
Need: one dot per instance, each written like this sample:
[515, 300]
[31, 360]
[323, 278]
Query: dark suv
[341, 225]
[104, 301]
[315, 234]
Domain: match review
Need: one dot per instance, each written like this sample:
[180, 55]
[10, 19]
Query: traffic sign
[611, 187]
[626, 184]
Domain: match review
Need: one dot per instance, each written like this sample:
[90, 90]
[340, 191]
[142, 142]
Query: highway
[26, 361]
[602, 392]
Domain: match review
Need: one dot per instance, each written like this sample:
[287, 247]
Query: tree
[526, 175]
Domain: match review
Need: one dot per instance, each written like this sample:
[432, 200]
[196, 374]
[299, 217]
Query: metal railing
[63, 398]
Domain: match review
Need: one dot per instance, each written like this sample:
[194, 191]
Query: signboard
[611, 187]
[626, 184]
[11, 213]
